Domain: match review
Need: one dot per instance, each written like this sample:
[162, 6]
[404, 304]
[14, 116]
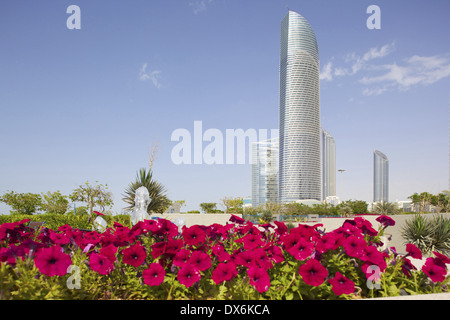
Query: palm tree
[386, 208]
[159, 201]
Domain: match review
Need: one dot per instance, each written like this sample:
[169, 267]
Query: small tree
[233, 203]
[357, 206]
[345, 210]
[208, 207]
[421, 201]
[97, 195]
[54, 202]
[386, 208]
[22, 203]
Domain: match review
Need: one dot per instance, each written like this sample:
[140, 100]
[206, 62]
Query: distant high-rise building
[300, 163]
[380, 177]
[329, 165]
[265, 172]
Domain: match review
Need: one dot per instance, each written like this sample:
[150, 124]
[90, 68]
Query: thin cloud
[326, 73]
[379, 78]
[375, 53]
[415, 71]
[199, 5]
[153, 75]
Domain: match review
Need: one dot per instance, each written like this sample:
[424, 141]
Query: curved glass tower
[299, 173]
[380, 177]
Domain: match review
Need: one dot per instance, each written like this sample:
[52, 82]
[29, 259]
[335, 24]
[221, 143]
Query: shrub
[54, 221]
[428, 234]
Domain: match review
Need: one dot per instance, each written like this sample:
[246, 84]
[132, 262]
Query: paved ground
[431, 296]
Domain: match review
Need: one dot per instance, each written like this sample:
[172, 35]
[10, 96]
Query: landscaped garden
[156, 259]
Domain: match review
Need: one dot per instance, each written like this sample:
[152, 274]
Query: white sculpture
[100, 224]
[141, 202]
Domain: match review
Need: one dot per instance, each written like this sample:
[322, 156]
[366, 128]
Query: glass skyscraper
[265, 172]
[380, 177]
[299, 162]
[329, 165]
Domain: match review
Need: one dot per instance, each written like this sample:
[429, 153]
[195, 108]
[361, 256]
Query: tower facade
[265, 172]
[299, 161]
[329, 165]
[380, 177]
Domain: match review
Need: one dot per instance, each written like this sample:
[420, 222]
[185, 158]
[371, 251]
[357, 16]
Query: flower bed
[239, 260]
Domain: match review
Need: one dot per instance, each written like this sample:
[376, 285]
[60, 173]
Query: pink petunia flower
[435, 271]
[181, 257]
[237, 219]
[262, 259]
[313, 273]
[245, 258]
[194, 235]
[326, 242]
[302, 250]
[52, 261]
[158, 249]
[109, 251]
[290, 240]
[259, 278]
[173, 246]
[251, 241]
[385, 221]
[341, 285]
[59, 238]
[167, 228]
[134, 255]
[354, 246]
[407, 267]
[275, 253]
[441, 259]
[372, 255]
[100, 263]
[219, 251]
[201, 260]
[154, 274]
[413, 251]
[188, 275]
[281, 228]
[224, 272]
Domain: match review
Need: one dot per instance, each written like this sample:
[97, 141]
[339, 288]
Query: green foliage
[22, 203]
[422, 202]
[159, 200]
[357, 206]
[93, 195]
[208, 207]
[54, 202]
[54, 221]
[428, 234]
[345, 210]
[266, 217]
[386, 208]
[233, 205]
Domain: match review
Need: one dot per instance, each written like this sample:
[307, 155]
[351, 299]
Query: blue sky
[89, 104]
